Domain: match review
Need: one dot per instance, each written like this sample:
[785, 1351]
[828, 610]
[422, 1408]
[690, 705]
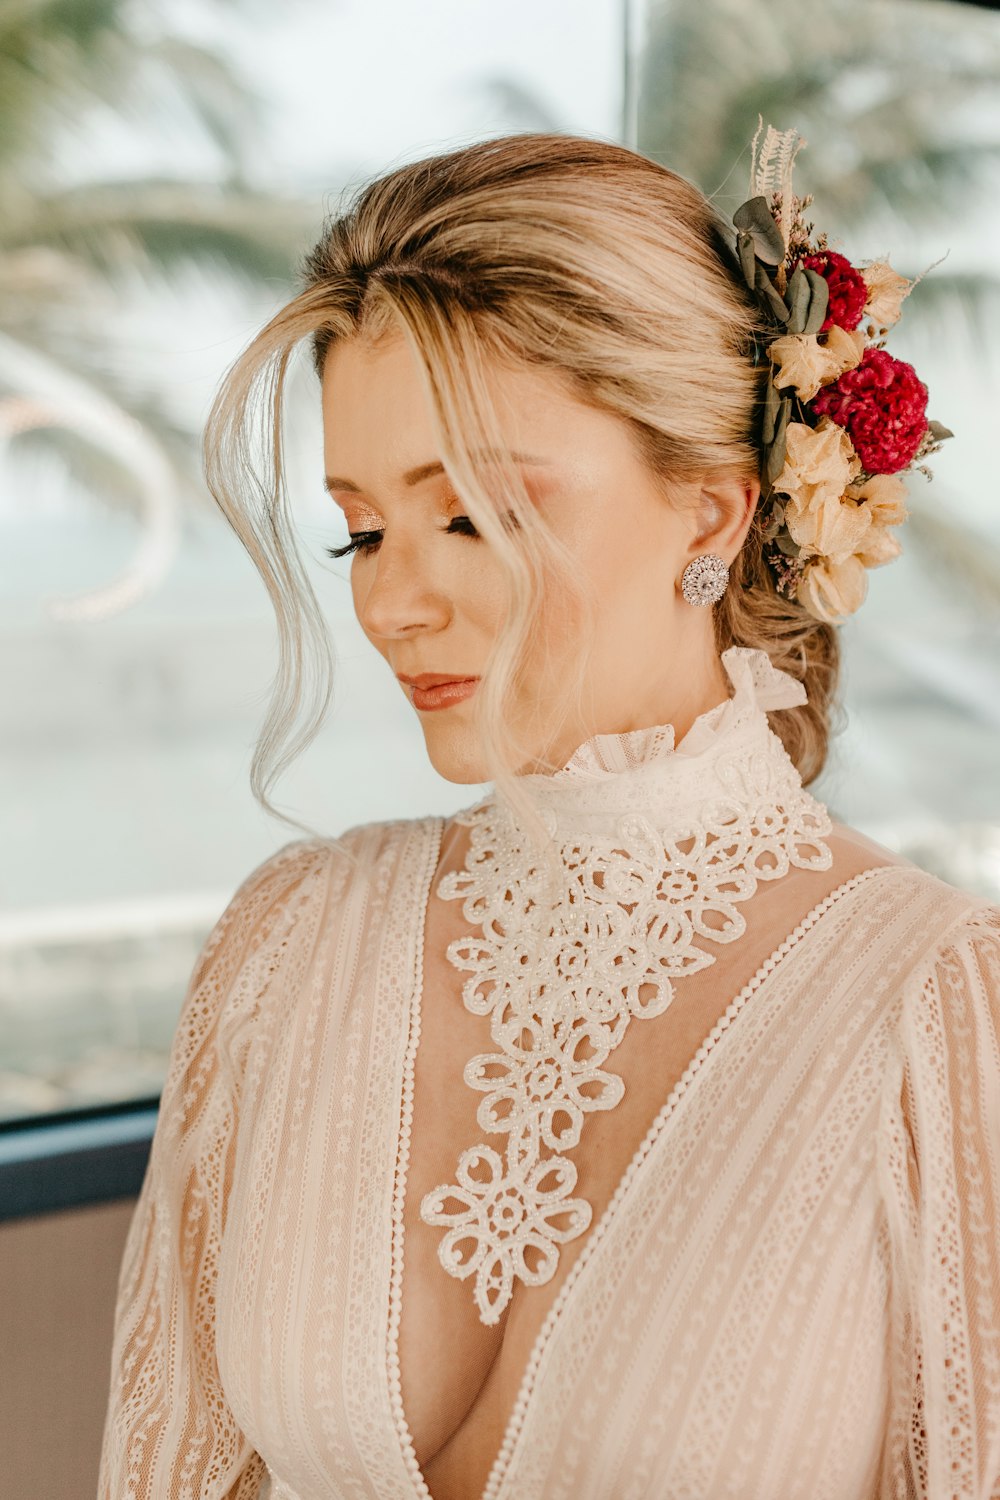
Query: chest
[460, 1377]
[357, 1365]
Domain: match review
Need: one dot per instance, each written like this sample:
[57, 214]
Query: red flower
[848, 289]
[883, 405]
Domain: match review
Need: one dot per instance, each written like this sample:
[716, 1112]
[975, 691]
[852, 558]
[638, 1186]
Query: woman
[636, 1131]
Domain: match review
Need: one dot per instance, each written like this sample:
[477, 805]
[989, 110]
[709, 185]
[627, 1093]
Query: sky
[370, 84]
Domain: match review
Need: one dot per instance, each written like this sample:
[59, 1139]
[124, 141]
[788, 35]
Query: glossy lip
[443, 694]
[431, 679]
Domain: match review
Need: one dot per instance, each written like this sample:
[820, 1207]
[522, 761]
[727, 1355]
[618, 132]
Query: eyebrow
[425, 471]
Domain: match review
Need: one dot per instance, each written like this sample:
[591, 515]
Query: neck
[729, 758]
[695, 690]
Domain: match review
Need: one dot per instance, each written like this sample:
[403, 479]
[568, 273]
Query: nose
[398, 597]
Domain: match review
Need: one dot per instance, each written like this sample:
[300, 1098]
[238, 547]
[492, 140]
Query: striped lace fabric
[793, 1288]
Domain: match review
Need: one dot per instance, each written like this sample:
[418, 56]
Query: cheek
[623, 575]
[628, 562]
[479, 594]
[602, 564]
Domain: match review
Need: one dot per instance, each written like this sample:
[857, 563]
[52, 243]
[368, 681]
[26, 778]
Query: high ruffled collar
[730, 753]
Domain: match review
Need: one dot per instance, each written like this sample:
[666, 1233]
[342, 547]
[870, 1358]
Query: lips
[433, 679]
[434, 690]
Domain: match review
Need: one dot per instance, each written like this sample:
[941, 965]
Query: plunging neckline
[603, 1224]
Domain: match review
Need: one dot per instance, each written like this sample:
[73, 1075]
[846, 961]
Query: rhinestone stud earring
[705, 578]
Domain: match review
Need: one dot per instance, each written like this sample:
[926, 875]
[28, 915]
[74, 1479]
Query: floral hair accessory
[843, 420]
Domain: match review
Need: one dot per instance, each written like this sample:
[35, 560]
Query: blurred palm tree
[899, 102]
[897, 99]
[72, 251]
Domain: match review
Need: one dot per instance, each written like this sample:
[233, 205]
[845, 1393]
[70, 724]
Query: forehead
[378, 426]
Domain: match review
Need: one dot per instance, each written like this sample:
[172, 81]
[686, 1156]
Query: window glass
[178, 192]
[182, 161]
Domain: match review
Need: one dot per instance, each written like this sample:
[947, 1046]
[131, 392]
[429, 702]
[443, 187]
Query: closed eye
[368, 541]
[361, 541]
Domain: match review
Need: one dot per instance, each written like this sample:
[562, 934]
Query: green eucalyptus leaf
[748, 260]
[755, 218]
[774, 460]
[772, 401]
[819, 303]
[785, 544]
[808, 298]
[797, 295]
[784, 413]
[770, 295]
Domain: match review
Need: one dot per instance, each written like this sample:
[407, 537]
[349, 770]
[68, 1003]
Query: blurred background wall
[162, 169]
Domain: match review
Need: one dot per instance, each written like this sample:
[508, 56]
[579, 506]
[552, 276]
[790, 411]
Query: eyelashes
[366, 542]
[361, 541]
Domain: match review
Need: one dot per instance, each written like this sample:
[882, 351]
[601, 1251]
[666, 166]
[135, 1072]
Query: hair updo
[578, 256]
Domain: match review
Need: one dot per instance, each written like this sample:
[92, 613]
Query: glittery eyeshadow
[361, 517]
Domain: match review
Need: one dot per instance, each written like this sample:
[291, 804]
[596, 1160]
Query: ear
[722, 516]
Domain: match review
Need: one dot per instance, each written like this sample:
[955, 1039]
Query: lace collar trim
[642, 771]
[659, 847]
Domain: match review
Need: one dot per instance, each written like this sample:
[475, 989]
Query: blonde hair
[573, 255]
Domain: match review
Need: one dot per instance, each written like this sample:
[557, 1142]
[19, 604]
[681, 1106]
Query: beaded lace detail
[659, 846]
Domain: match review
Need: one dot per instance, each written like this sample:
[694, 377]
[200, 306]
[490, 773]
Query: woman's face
[430, 596]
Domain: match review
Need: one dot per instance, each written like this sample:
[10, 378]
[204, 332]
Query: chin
[456, 761]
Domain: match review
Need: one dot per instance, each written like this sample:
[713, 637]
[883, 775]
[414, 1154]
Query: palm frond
[52, 72]
[53, 363]
[229, 111]
[873, 92]
[165, 222]
[515, 103]
[59, 59]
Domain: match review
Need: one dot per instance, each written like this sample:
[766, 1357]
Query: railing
[74, 1157]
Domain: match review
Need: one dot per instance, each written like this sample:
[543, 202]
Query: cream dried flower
[820, 463]
[832, 590]
[884, 496]
[881, 546]
[805, 364]
[887, 291]
[833, 587]
[830, 526]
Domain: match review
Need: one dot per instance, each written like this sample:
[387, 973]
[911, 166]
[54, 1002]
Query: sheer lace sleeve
[942, 1166]
[169, 1433]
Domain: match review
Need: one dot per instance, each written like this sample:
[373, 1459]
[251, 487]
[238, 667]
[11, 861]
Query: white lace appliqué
[562, 979]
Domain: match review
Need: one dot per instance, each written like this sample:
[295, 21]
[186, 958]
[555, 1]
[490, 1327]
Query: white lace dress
[793, 1288]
